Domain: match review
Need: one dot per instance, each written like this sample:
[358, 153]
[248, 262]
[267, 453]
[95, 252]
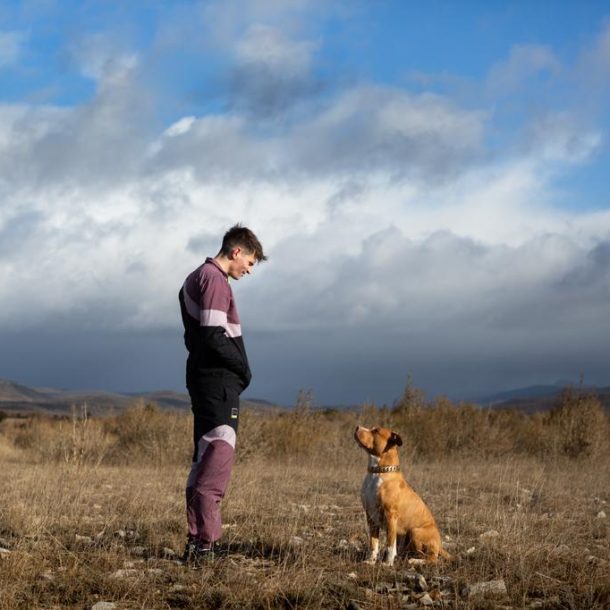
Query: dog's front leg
[392, 525]
[373, 540]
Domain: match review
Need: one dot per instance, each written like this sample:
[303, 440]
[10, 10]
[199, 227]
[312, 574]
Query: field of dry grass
[93, 511]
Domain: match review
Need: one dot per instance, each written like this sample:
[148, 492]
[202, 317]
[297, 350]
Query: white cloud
[524, 63]
[266, 45]
[386, 214]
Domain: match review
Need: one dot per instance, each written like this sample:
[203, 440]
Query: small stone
[415, 561]
[471, 550]
[4, 552]
[154, 571]
[386, 587]
[352, 575]
[562, 549]
[596, 561]
[442, 582]
[601, 514]
[490, 588]
[426, 600]
[125, 573]
[138, 551]
[369, 594]
[48, 575]
[296, 540]
[168, 553]
[83, 539]
[489, 536]
[104, 606]
[177, 588]
[343, 544]
[120, 534]
[416, 581]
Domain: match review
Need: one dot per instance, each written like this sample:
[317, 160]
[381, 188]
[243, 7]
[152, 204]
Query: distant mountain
[539, 397]
[17, 398]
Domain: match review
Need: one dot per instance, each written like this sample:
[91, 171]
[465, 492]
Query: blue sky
[430, 180]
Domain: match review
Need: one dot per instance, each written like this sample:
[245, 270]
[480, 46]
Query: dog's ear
[395, 440]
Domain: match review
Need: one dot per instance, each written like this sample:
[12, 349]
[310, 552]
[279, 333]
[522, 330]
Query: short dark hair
[241, 237]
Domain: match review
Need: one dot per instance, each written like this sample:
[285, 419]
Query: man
[217, 372]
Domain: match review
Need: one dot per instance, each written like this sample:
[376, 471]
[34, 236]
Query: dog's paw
[371, 560]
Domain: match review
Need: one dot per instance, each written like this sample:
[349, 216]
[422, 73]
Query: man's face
[241, 262]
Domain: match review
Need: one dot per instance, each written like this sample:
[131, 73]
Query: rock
[489, 536]
[104, 606]
[124, 573]
[562, 549]
[426, 600]
[154, 571]
[415, 561]
[48, 575]
[387, 587]
[596, 561]
[177, 588]
[352, 575]
[601, 515]
[120, 534]
[471, 550]
[138, 551]
[83, 539]
[343, 544]
[441, 582]
[415, 581]
[490, 588]
[296, 540]
[168, 553]
[4, 552]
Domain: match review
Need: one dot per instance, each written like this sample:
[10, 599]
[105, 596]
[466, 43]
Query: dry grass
[83, 498]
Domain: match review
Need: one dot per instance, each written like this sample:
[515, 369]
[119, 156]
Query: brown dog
[390, 503]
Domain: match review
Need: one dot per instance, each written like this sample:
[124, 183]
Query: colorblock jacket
[212, 331]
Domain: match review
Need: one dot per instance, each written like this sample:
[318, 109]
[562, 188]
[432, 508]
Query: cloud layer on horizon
[393, 218]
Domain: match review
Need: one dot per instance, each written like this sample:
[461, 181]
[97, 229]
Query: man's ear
[395, 440]
[235, 252]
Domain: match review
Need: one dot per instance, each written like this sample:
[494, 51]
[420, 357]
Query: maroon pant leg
[206, 488]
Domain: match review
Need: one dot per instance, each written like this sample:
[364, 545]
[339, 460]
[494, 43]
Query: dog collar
[381, 469]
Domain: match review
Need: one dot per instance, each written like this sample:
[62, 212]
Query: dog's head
[377, 441]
